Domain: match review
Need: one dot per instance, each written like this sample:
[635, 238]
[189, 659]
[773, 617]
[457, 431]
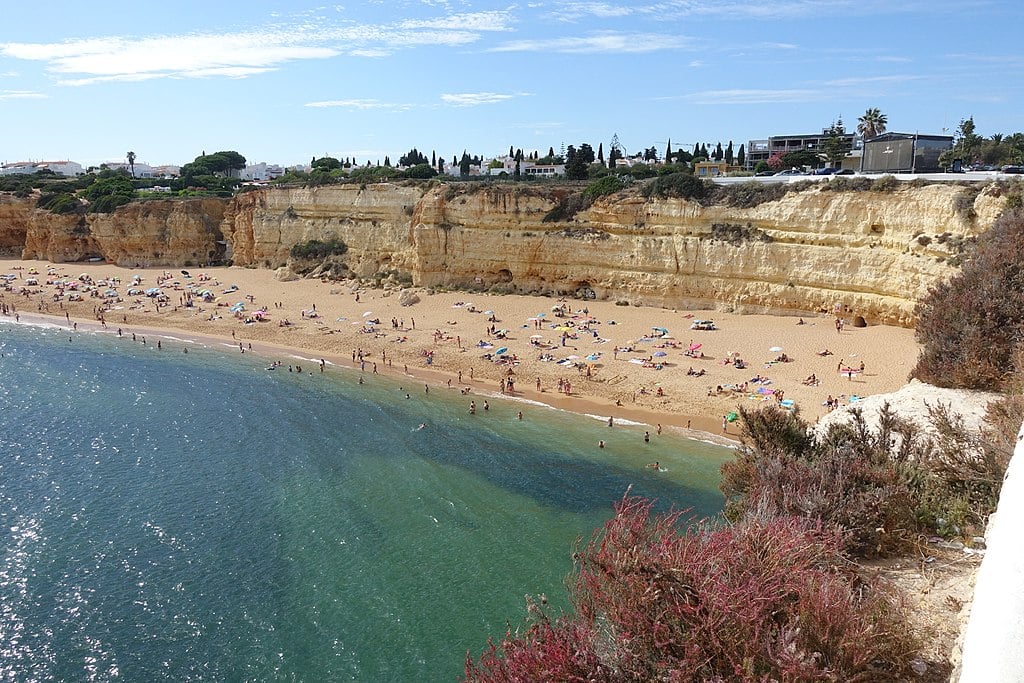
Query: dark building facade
[904, 153]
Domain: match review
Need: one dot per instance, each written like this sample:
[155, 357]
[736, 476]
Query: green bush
[677, 185]
[315, 249]
[971, 327]
[59, 202]
[748, 194]
[606, 185]
[886, 183]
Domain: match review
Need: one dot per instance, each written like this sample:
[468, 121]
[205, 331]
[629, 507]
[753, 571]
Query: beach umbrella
[488, 312]
[660, 353]
[536, 336]
[694, 347]
[594, 356]
[775, 349]
[541, 315]
[367, 314]
[660, 329]
[731, 417]
[503, 349]
[185, 273]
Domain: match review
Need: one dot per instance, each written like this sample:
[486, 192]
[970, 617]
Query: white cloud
[471, 99]
[600, 42]
[868, 80]
[736, 9]
[498, 20]
[359, 105]
[21, 95]
[246, 53]
[753, 96]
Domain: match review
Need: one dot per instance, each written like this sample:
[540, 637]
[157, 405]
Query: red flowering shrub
[755, 601]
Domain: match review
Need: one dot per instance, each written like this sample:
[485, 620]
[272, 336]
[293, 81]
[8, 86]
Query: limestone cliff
[151, 233]
[876, 253]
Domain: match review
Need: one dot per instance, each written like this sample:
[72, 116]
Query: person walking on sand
[725, 424]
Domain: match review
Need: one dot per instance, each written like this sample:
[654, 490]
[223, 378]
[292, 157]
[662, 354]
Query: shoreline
[686, 426]
[648, 384]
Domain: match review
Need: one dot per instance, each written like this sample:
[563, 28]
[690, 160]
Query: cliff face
[151, 233]
[875, 253]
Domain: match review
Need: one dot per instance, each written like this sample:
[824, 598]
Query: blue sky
[283, 82]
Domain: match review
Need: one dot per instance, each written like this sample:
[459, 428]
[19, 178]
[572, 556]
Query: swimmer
[600, 444]
[655, 465]
[472, 407]
[520, 415]
[647, 437]
[423, 425]
[487, 406]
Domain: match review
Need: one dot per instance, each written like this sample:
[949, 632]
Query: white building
[262, 171]
[528, 168]
[65, 168]
[167, 171]
[141, 168]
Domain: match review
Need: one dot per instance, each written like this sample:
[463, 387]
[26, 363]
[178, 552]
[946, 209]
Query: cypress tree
[668, 151]
[741, 156]
[600, 152]
[729, 154]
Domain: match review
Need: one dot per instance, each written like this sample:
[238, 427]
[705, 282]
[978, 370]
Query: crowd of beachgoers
[688, 369]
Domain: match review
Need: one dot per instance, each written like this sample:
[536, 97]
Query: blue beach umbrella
[503, 349]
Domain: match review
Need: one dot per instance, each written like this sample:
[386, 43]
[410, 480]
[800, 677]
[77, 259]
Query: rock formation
[875, 253]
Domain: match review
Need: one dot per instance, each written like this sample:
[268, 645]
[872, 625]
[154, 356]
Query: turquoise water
[171, 517]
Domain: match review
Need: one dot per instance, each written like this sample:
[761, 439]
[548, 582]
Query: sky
[283, 82]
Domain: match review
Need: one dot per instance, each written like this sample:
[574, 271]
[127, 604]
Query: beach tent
[664, 332]
[731, 417]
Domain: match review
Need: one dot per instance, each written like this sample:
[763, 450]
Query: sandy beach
[640, 363]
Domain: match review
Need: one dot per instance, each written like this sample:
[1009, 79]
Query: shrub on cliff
[852, 479]
[771, 600]
[677, 185]
[747, 195]
[971, 326]
[59, 202]
[882, 488]
[317, 250]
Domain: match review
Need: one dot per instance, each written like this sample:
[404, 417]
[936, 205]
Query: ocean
[196, 517]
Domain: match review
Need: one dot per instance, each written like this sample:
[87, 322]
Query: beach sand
[449, 327]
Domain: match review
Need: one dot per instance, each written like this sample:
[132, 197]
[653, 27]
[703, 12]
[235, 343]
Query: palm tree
[872, 124]
[131, 162]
